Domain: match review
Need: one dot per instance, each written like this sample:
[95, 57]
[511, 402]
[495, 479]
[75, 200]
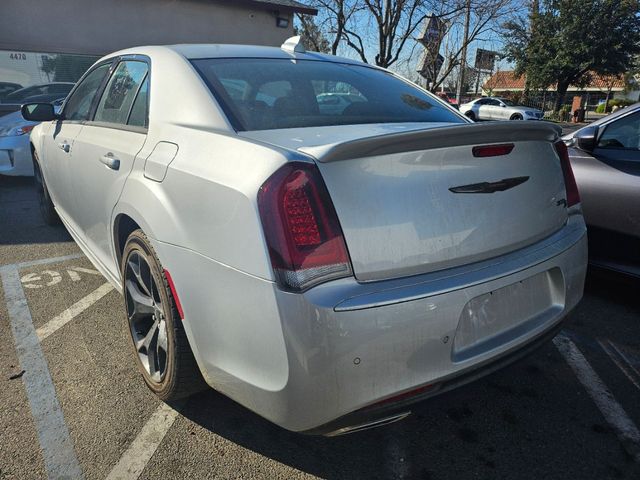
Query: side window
[334, 98]
[271, 91]
[118, 97]
[482, 101]
[79, 104]
[236, 89]
[493, 103]
[140, 110]
[623, 133]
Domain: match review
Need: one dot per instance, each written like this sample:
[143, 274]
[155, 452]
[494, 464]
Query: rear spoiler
[436, 137]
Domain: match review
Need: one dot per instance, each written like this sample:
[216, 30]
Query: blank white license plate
[497, 317]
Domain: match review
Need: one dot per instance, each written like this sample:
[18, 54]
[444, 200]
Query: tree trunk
[606, 100]
[561, 92]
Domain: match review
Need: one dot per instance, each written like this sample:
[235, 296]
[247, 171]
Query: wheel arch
[141, 206]
[32, 149]
[123, 226]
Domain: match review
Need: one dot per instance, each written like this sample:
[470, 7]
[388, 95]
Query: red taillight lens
[492, 150]
[24, 129]
[573, 196]
[301, 227]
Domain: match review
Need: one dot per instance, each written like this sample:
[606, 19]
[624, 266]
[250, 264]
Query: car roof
[212, 50]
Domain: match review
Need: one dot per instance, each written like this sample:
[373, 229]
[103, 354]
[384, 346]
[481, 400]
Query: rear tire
[516, 116]
[471, 115]
[47, 210]
[160, 345]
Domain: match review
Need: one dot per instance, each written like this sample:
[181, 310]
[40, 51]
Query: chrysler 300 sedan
[323, 269]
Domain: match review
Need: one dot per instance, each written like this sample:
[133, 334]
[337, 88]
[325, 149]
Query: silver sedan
[15, 152]
[324, 269]
[495, 108]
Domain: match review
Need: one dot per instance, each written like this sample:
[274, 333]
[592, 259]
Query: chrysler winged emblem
[490, 187]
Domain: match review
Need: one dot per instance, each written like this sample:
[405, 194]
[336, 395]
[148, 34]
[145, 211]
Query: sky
[490, 40]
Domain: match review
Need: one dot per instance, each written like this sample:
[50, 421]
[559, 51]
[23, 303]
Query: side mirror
[38, 112]
[585, 139]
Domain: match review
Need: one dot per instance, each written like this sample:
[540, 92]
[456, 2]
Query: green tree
[562, 42]
[312, 37]
[66, 68]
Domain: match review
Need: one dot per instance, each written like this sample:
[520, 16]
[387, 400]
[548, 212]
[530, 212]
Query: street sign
[431, 61]
[485, 59]
[430, 67]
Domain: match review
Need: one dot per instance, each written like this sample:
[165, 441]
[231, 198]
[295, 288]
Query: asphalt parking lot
[73, 404]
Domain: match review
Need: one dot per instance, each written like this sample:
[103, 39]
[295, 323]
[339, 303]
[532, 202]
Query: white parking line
[621, 361]
[135, 459]
[60, 460]
[46, 261]
[612, 411]
[74, 310]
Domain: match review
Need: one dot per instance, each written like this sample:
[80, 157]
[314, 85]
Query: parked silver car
[495, 108]
[605, 156]
[324, 270]
[15, 152]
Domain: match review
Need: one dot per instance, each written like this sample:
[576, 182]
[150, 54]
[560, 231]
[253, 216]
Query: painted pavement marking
[73, 311]
[135, 458]
[48, 278]
[612, 411]
[46, 261]
[621, 361]
[60, 459]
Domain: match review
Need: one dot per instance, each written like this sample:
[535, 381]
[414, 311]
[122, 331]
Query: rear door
[105, 151]
[58, 148]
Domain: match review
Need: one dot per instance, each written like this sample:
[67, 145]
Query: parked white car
[324, 270]
[495, 108]
[15, 152]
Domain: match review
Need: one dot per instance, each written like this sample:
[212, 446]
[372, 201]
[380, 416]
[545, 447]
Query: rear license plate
[500, 316]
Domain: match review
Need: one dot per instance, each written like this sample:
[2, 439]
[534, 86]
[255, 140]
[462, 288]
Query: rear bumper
[308, 361]
[361, 419]
[15, 156]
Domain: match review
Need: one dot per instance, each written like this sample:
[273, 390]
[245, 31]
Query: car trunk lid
[412, 200]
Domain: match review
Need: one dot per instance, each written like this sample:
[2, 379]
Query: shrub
[614, 102]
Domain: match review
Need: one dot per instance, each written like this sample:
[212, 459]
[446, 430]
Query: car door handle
[64, 146]
[110, 161]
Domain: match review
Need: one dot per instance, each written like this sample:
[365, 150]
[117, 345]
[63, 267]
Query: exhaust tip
[367, 425]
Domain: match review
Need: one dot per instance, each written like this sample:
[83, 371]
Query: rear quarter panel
[208, 200]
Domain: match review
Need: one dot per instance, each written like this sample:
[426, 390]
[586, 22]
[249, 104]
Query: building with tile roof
[505, 81]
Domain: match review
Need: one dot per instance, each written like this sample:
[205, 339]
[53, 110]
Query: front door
[105, 152]
[618, 155]
[61, 136]
[609, 183]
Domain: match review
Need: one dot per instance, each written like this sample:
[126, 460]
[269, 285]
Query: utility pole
[463, 60]
[533, 19]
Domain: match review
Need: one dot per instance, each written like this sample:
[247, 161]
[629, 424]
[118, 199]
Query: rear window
[264, 94]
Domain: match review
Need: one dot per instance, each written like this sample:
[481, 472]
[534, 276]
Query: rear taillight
[301, 227]
[573, 196]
